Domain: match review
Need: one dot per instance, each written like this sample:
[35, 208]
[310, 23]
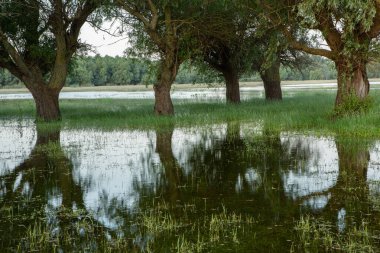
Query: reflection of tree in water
[243, 177]
[349, 202]
[247, 167]
[172, 170]
[231, 168]
[41, 190]
[350, 214]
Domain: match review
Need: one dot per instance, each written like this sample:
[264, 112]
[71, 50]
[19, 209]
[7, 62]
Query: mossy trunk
[47, 102]
[231, 78]
[352, 80]
[272, 81]
[168, 72]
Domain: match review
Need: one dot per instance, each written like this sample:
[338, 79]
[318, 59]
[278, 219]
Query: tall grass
[302, 112]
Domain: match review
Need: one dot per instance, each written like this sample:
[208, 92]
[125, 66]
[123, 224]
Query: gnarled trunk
[272, 82]
[231, 78]
[47, 102]
[163, 102]
[352, 80]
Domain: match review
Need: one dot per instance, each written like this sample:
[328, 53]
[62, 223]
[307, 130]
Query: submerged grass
[318, 235]
[204, 234]
[305, 112]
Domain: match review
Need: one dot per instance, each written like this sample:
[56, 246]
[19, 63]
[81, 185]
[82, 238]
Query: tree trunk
[231, 78]
[163, 102]
[47, 102]
[272, 82]
[352, 80]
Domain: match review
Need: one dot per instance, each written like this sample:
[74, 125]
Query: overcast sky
[103, 43]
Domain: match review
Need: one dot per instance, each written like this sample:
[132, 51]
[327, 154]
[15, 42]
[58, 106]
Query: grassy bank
[304, 112]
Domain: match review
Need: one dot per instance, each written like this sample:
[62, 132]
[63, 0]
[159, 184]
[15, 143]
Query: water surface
[163, 191]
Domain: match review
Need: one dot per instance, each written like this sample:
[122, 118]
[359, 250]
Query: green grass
[318, 235]
[303, 112]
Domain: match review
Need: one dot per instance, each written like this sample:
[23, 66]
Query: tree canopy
[37, 41]
[349, 28]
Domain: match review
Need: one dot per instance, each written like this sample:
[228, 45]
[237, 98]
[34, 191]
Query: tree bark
[168, 72]
[231, 78]
[163, 102]
[352, 80]
[47, 102]
[272, 82]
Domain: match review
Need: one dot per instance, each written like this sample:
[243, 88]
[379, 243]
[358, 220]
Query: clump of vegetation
[318, 235]
[52, 149]
[192, 236]
[74, 229]
[352, 105]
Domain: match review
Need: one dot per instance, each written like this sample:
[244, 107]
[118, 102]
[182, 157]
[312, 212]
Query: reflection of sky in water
[317, 202]
[341, 220]
[106, 165]
[17, 138]
[320, 171]
[373, 175]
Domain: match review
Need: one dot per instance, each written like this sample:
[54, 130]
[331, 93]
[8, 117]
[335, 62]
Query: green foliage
[349, 20]
[31, 35]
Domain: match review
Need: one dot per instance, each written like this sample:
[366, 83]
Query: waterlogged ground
[221, 188]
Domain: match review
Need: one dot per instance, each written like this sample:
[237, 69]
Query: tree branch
[78, 21]
[58, 73]
[327, 27]
[154, 21]
[293, 43]
[134, 12]
[149, 25]
[12, 68]
[14, 55]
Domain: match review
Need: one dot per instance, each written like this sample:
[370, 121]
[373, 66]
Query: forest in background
[106, 70]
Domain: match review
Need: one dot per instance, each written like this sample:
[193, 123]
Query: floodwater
[193, 94]
[231, 187]
[212, 93]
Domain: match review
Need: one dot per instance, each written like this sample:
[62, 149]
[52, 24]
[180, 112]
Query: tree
[269, 53]
[159, 28]
[224, 41]
[349, 28]
[37, 41]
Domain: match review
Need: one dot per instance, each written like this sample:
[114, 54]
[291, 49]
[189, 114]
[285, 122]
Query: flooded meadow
[232, 187]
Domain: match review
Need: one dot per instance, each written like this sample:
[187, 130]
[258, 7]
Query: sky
[102, 42]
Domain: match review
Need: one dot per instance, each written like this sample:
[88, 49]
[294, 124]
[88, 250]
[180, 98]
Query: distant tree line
[106, 70]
